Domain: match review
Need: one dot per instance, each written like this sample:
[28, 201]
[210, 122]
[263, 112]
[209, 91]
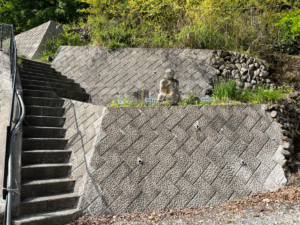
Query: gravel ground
[279, 207]
[277, 213]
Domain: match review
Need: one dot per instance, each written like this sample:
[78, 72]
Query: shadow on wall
[83, 130]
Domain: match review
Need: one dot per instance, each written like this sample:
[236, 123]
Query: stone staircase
[47, 191]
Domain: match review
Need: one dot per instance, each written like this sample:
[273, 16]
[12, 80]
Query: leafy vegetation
[250, 26]
[225, 89]
[289, 25]
[65, 38]
[224, 92]
[261, 95]
[25, 15]
[192, 23]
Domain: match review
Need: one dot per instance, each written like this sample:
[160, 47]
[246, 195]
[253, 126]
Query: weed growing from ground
[225, 89]
[261, 95]
[190, 99]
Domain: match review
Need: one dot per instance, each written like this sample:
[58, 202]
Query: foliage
[288, 90]
[261, 95]
[125, 103]
[190, 99]
[289, 25]
[188, 24]
[225, 89]
[65, 38]
[25, 15]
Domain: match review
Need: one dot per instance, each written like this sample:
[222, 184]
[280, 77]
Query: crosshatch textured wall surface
[190, 156]
[31, 43]
[112, 75]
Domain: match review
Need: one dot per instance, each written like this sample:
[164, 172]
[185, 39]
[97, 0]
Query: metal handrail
[7, 189]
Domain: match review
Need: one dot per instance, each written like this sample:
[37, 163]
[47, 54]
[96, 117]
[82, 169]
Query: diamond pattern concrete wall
[30, 43]
[112, 75]
[191, 156]
[83, 128]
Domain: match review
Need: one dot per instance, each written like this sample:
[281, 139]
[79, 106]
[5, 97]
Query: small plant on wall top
[122, 103]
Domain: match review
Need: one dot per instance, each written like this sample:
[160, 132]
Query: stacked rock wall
[248, 72]
[149, 158]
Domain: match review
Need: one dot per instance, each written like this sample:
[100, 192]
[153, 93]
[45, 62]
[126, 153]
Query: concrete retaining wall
[108, 76]
[31, 43]
[83, 122]
[191, 156]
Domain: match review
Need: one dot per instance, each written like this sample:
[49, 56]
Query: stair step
[45, 171]
[57, 84]
[26, 64]
[40, 75]
[57, 75]
[33, 62]
[45, 156]
[44, 143]
[33, 69]
[47, 79]
[47, 187]
[71, 86]
[39, 93]
[48, 203]
[43, 132]
[43, 110]
[44, 121]
[48, 218]
[50, 102]
[63, 93]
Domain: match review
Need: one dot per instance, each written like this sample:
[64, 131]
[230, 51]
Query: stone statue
[169, 89]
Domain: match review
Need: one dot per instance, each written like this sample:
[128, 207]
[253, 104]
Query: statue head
[170, 74]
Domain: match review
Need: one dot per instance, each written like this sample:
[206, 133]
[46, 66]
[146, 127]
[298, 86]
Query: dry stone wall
[108, 76]
[248, 72]
[148, 158]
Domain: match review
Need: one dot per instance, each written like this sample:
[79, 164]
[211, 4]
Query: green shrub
[225, 89]
[190, 24]
[126, 104]
[261, 95]
[190, 99]
[289, 25]
[67, 37]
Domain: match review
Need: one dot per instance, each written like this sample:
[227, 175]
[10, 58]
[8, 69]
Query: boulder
[239, 83]
[293, 94]
[284, 152]
[286, 145]
[244, 71]
[273, 114]
[239, 66]
[264, 73]
[225, 54]
[248, 85]
[253, 82]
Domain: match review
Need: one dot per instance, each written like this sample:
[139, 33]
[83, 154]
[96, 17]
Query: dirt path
[280, 207]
